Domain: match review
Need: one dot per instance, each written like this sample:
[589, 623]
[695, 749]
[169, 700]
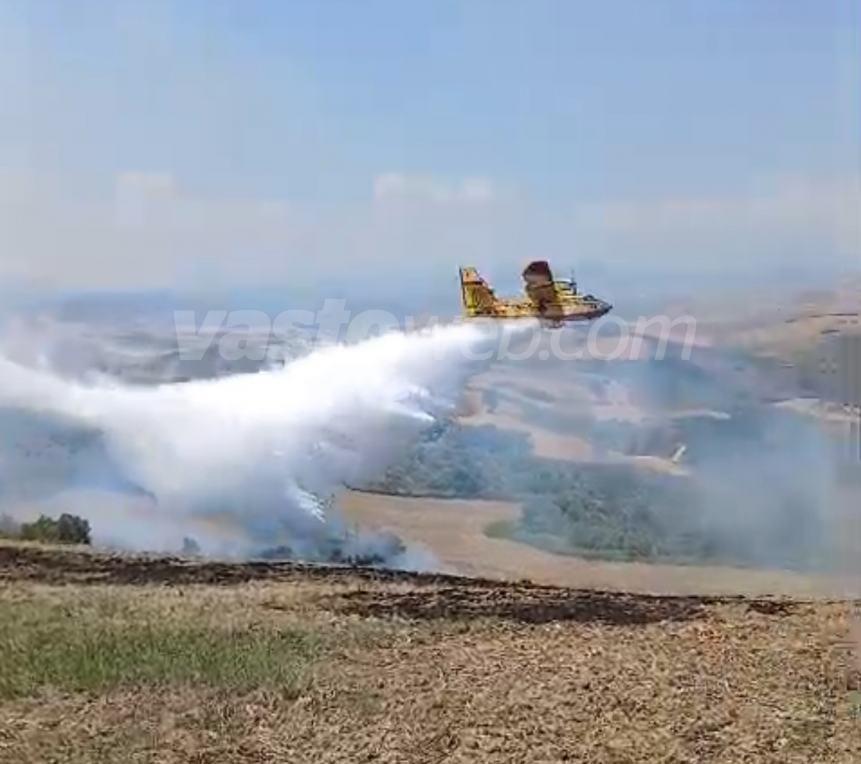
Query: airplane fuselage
[555, 301]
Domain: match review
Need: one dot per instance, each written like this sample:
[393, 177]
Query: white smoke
[261, 451]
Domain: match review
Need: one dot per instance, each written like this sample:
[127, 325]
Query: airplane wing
[538, 273]
[539, 285]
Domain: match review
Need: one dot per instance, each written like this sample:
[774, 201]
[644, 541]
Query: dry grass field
[112, 659]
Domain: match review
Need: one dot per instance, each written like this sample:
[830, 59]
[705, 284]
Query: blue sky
[154, 143]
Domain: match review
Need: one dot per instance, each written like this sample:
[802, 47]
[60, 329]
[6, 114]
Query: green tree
[67, 529]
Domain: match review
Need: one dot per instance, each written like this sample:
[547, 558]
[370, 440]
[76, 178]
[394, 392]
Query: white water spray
[261, 450]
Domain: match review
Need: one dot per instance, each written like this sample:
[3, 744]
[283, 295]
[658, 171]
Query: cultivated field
[111, 659]
[456, 532]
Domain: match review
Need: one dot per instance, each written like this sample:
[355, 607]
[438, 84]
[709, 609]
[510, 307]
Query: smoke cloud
[255, 454]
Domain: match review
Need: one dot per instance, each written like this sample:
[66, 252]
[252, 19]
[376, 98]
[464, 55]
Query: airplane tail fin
[477, 296]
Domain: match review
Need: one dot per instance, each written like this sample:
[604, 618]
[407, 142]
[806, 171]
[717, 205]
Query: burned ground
[522, 604]
[114, 659]
[431, 596]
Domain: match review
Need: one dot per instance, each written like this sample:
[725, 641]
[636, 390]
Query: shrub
[190, 547]
[67, 529]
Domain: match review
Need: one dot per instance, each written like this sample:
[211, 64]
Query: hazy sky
[156, 143]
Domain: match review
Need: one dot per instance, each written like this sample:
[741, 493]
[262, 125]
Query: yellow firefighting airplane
[553, 301]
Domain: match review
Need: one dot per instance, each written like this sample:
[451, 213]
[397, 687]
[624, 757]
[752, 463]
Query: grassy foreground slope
[111, 659]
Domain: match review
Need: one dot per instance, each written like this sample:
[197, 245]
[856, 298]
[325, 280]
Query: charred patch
[427, 596]
[532, 605]
[71, 566]
[772, 607]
